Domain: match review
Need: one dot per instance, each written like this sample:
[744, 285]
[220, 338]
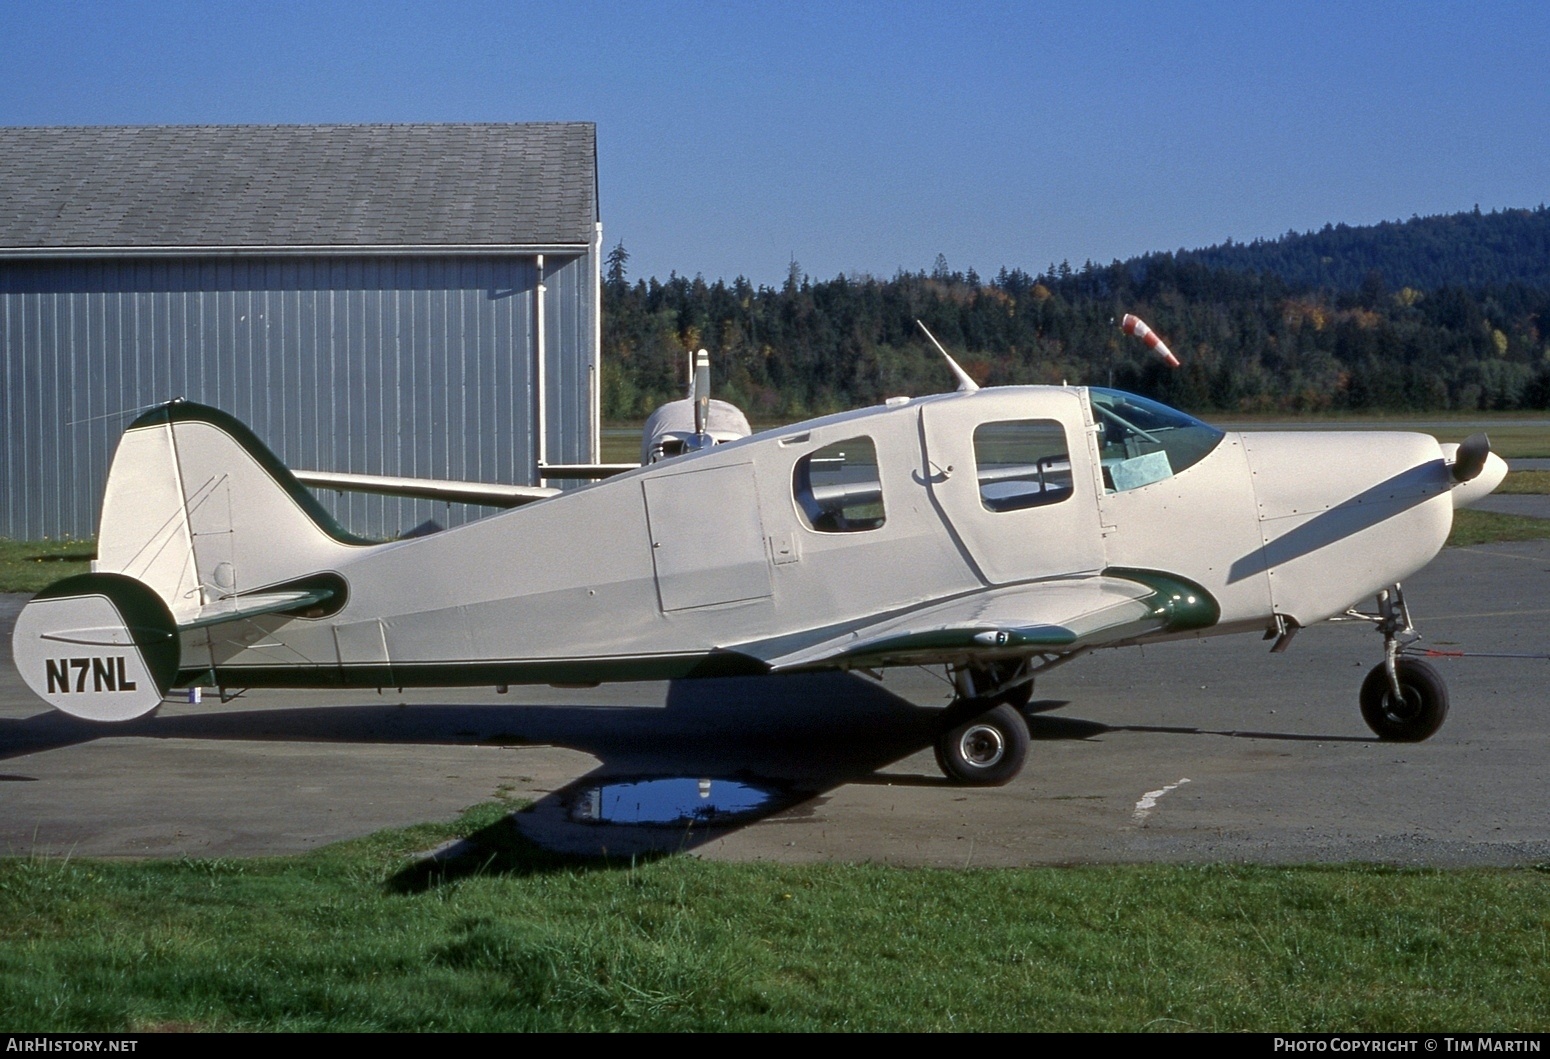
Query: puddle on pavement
[672, 801]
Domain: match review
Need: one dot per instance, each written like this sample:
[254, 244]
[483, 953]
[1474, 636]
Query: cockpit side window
[1022, 463]
[1141, 441]
[837, 488]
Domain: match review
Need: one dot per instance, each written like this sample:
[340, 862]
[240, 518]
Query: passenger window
[1022, 463]
[837, 488]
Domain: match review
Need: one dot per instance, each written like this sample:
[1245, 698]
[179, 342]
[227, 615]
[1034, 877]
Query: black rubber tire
[1419, 712]
[982, 747]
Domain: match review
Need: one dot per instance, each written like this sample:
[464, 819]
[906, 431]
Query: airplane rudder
[199, 509]
[251, 522]
[143, 531]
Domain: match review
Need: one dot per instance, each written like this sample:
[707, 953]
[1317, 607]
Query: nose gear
[1403, 699]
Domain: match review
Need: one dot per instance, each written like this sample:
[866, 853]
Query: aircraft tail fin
[202, 512]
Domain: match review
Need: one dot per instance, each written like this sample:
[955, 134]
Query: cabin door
[1011, 472]
[707, 541]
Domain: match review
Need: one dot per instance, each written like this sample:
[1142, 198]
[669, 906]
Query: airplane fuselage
[718, 561]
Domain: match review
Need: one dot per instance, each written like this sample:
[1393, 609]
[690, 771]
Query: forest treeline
[1424, 315]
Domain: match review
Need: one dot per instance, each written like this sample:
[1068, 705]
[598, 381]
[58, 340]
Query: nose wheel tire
[982, 748]
[1419, 710]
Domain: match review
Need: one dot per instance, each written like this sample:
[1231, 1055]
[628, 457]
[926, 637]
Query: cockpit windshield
[1141, 441]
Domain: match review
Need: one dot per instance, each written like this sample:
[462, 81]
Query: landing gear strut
[983, 738]
[1404, 700]
[1010, 682]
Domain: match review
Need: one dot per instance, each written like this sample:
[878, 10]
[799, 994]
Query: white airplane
[997, 532]
[696, 422]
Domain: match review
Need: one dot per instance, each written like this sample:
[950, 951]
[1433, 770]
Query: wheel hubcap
[982, 745]
[1405, 708]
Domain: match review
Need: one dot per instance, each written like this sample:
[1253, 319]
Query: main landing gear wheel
[982, 748]
[1419, 710]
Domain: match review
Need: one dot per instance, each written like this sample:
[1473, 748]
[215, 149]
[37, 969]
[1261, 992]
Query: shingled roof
[266, 186]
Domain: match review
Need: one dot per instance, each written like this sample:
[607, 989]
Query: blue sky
[736, 137]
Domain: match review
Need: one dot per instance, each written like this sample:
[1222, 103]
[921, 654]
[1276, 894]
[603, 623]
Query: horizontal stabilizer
[102, 647]
[236, 608]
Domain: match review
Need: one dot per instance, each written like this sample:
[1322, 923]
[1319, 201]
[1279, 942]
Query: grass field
[354, 937]
[1536, 482]
[27, 566]
[1472, 527]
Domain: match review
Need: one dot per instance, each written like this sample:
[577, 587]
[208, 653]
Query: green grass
[353, 938]
[1486, 527]
[1534, 482]
[27, 566]
[1514, 442]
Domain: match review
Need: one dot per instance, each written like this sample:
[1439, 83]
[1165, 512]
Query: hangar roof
[257, 187]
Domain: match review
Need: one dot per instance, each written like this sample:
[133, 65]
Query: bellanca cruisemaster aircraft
[997, 532]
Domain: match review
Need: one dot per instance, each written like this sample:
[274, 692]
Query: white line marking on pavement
[1148, 800]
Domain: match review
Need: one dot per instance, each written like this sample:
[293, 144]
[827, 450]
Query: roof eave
[329, 249]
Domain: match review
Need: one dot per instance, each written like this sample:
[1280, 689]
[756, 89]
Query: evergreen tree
[614, 276]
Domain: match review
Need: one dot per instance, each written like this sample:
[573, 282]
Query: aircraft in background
[694, 423]
[995, 532]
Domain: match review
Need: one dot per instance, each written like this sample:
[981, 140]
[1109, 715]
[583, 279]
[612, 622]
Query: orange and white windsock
[1134, 325]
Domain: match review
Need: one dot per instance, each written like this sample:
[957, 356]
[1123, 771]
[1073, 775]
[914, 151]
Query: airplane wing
[1046, 616]
[489, 495]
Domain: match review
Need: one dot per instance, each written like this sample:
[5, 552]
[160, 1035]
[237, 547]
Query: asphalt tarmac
[1211, 750]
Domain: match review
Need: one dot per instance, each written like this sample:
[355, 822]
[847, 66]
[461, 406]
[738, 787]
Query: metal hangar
[406, 300]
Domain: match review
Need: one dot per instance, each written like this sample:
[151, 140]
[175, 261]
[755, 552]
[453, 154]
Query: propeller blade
[701, 391]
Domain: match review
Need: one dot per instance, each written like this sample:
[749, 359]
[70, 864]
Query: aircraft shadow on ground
[764, 744]
[717, 755]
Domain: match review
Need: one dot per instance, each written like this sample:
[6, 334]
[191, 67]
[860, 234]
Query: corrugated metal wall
[424, 367]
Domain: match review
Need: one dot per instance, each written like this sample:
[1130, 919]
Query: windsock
[1134, 325]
